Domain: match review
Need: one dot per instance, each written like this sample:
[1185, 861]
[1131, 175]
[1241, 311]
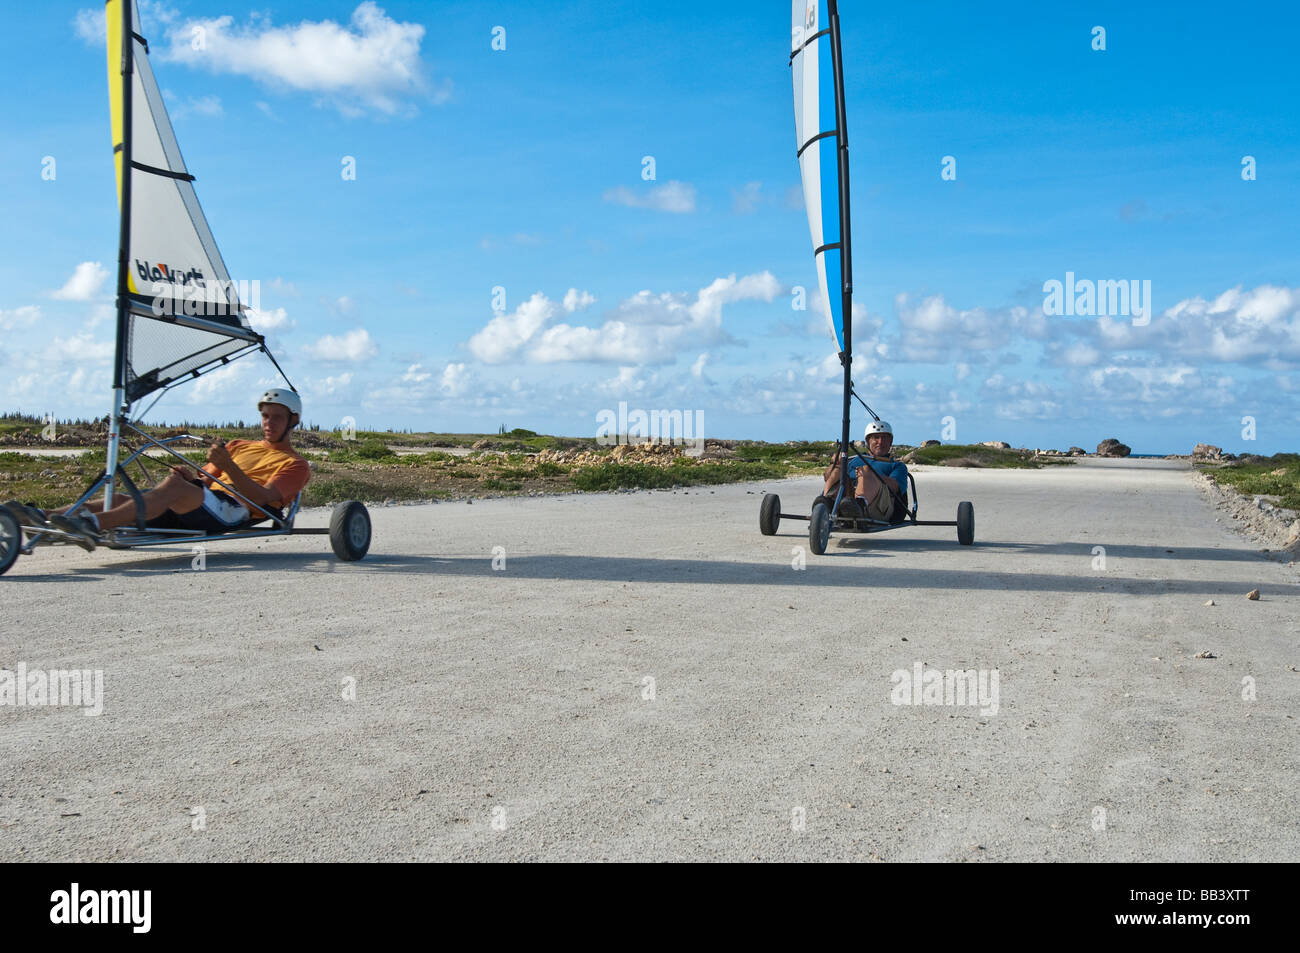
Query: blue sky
[521, 169]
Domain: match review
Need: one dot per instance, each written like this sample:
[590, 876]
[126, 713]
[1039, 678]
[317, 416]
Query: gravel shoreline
[1276, 530]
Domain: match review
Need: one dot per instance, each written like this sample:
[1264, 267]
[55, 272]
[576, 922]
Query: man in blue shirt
[880, 487]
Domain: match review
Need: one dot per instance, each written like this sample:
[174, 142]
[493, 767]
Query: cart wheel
[965, 523]
[11, 539]
[819, 529]
[769, 514]
[350, 530]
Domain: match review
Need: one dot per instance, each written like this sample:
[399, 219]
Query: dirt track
[507, 714]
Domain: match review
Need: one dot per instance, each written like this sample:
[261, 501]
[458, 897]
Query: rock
[1077, 452]
[996, 444]
[483, 444]
[1110, 447]
[1253, 595]
[930, 443]
[909, 457]
[1204, 654]
[1204, 452]
[1210, 603]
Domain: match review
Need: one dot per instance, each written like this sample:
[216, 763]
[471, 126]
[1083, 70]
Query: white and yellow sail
[182, 311]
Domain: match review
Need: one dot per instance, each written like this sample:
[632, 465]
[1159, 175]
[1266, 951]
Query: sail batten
[180, 311]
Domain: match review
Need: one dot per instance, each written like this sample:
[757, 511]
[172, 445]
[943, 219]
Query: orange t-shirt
[264, 464]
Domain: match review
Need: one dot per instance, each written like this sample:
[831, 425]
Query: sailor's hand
[220, 456]
[185, 473]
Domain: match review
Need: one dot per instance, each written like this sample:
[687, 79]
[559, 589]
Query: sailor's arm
[248, 487]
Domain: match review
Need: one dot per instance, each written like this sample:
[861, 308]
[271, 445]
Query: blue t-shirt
[885, 468]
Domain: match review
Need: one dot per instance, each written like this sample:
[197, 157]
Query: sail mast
[846, 254]
[123, 252]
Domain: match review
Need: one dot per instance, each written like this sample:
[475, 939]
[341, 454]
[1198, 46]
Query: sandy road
[508, 714]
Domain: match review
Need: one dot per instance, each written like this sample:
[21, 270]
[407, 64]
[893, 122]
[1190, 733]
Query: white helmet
[287, 399]
[878, 426]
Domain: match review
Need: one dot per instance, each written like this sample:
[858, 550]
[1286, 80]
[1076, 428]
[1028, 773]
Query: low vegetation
[384, 466]
[1276, 477]
[975, 455]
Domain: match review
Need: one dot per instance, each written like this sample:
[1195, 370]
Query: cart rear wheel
[819, 529]
[350, 530]
[769, 514]
[965, 523]
[11, 539]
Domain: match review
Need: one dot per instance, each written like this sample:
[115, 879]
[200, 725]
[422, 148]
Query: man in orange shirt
[267, 472]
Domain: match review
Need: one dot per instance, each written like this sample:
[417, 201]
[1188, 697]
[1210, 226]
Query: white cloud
[646, 328]
[575, 300]
[415, 374]
[90, 26]
[697, 369]
[276, 319]
[206, 106]
[933, 331]
[674, 196]
[746, 199]
[1238, 326]
[86, 281]
[371, 63]
[81, 348]
[318, 389]
[22, 317]
[283, 287]
[505, 335]
[651, 328]
[355, 345]
[455, 380]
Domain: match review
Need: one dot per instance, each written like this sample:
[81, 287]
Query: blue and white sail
[817, 137]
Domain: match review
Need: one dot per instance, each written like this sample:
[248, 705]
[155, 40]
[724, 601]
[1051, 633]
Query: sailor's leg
[173, 493]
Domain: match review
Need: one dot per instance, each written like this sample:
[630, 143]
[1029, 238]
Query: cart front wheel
[769, 514]
[11, 539]
[350, 530]
[965, 523]
[819, 529]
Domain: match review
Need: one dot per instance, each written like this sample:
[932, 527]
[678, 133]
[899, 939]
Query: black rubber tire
[11, 539]
[350, 530]
[965, 523]
[769, 514]
[819, 529]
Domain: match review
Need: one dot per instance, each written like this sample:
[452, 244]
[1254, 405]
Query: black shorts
[220, 513]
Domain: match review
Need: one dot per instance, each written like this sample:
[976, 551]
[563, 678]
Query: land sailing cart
[183, 318]
[820, 126]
